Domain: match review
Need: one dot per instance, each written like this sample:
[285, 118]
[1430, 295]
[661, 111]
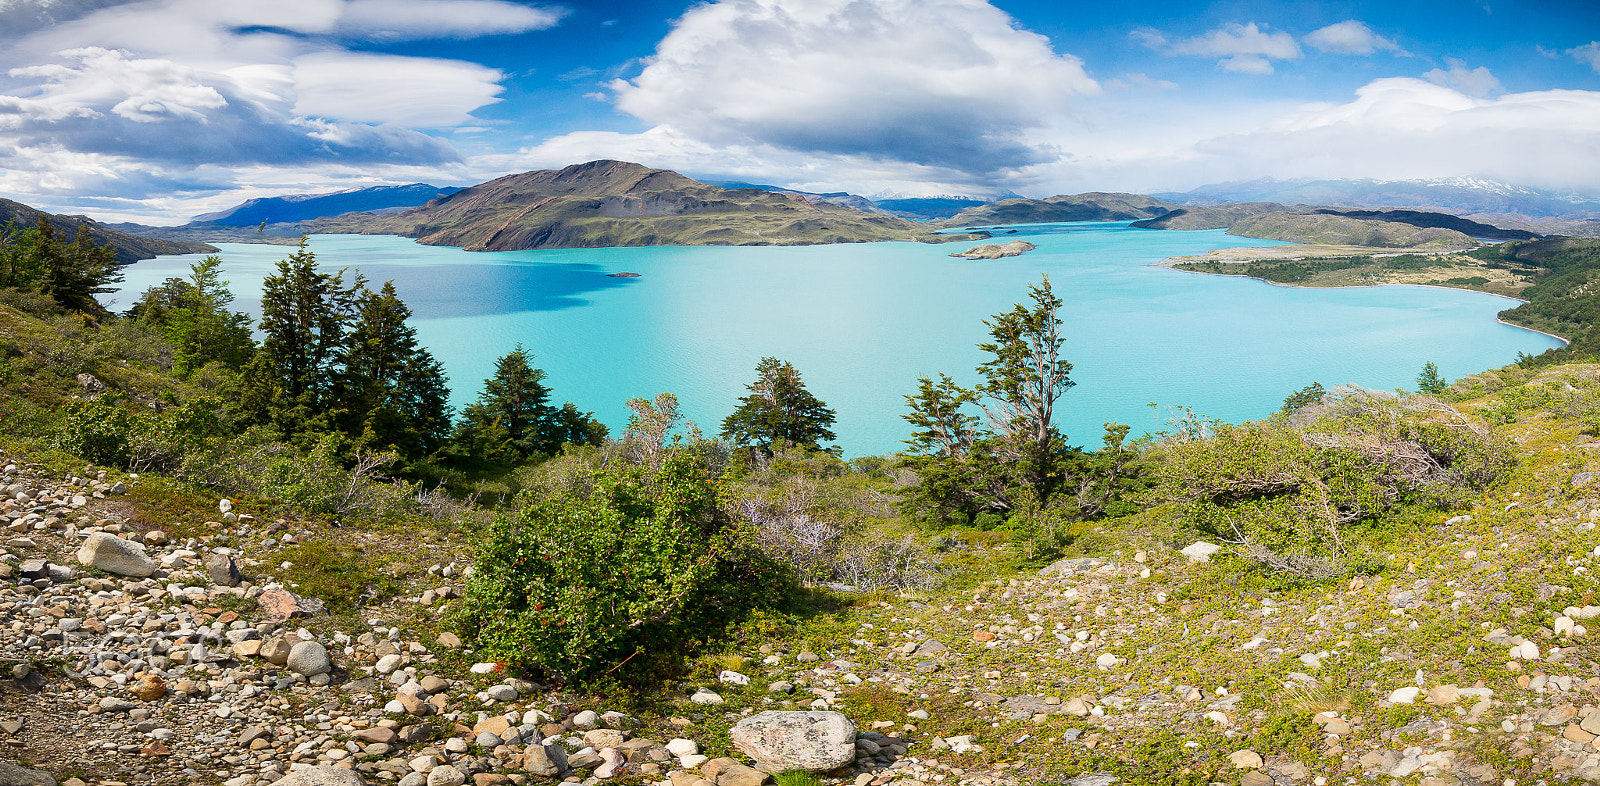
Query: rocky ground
[132, 655]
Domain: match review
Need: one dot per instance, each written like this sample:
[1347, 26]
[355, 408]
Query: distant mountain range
[128, 248]
[304, 207]
[614, 203]
[1462, 196]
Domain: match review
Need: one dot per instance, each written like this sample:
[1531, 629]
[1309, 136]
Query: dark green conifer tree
[513, 420]
[394, 393]
[290, 381]
[779, 411]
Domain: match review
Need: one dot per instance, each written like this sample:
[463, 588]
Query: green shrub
[1285, 491]
[642, 562]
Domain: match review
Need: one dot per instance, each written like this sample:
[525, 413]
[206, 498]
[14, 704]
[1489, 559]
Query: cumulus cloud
[135, 96]
[1243, 48]
[1588, 53]
[945, 83]
[1472, 81]
[1403, 128]
[1351, 37]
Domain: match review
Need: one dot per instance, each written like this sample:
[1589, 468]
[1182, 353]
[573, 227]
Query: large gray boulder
[814, 741]
[12, 775]
[309, 658]
[115, 555]
[322, 776]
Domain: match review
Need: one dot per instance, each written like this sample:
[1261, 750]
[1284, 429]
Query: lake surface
[863, 321]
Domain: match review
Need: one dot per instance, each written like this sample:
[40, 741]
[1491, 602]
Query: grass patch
[340, 574]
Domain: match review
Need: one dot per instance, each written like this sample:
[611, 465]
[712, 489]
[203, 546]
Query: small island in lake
[622, 275]
[996, 250]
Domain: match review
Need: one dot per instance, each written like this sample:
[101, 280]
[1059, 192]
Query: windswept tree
[779, 411]
[1013, 457]
[71, 274]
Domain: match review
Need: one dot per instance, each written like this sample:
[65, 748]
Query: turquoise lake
[863, 321]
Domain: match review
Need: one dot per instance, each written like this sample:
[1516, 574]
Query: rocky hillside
[613, 203]
[155, 638]
[129, 248]
[1344, 231]
[1210, 216]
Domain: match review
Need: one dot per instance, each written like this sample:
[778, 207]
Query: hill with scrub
[612, 203]
[1094, 206]
[126, 248]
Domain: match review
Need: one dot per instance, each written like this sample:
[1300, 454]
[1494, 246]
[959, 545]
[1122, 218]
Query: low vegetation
[638, 566]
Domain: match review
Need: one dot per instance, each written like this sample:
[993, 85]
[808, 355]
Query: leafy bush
[1284, 491]
[643, 561]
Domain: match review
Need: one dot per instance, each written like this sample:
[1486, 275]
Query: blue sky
[157, 110]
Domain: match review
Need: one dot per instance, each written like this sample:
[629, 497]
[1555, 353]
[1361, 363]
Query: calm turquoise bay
[863, 321]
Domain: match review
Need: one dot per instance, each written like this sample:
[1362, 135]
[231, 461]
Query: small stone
[388, 663]
[446, 775]
[538, 760]
[223, 570]
[1444, 695]
[1200, 551]
[1406, 695]
[1576, 733]
[705, 696]
[308, 658]
[322, 776]
[150, 688]
[280, 606]
[1556, 716]
[587, 719]
[982, 635]
[276, 650]
[733, 678]
[683, 747]
[1245, 760]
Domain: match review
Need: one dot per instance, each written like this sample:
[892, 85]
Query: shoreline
[1565, 342]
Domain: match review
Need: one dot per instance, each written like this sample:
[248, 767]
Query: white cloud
[1588, 53]
[1472, 81]
[1351, 37]
[1243, 48]
[951, 83]
[138, 96]
[1131, 80]
[415, 19]
[1394, 129]
[409, 91]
